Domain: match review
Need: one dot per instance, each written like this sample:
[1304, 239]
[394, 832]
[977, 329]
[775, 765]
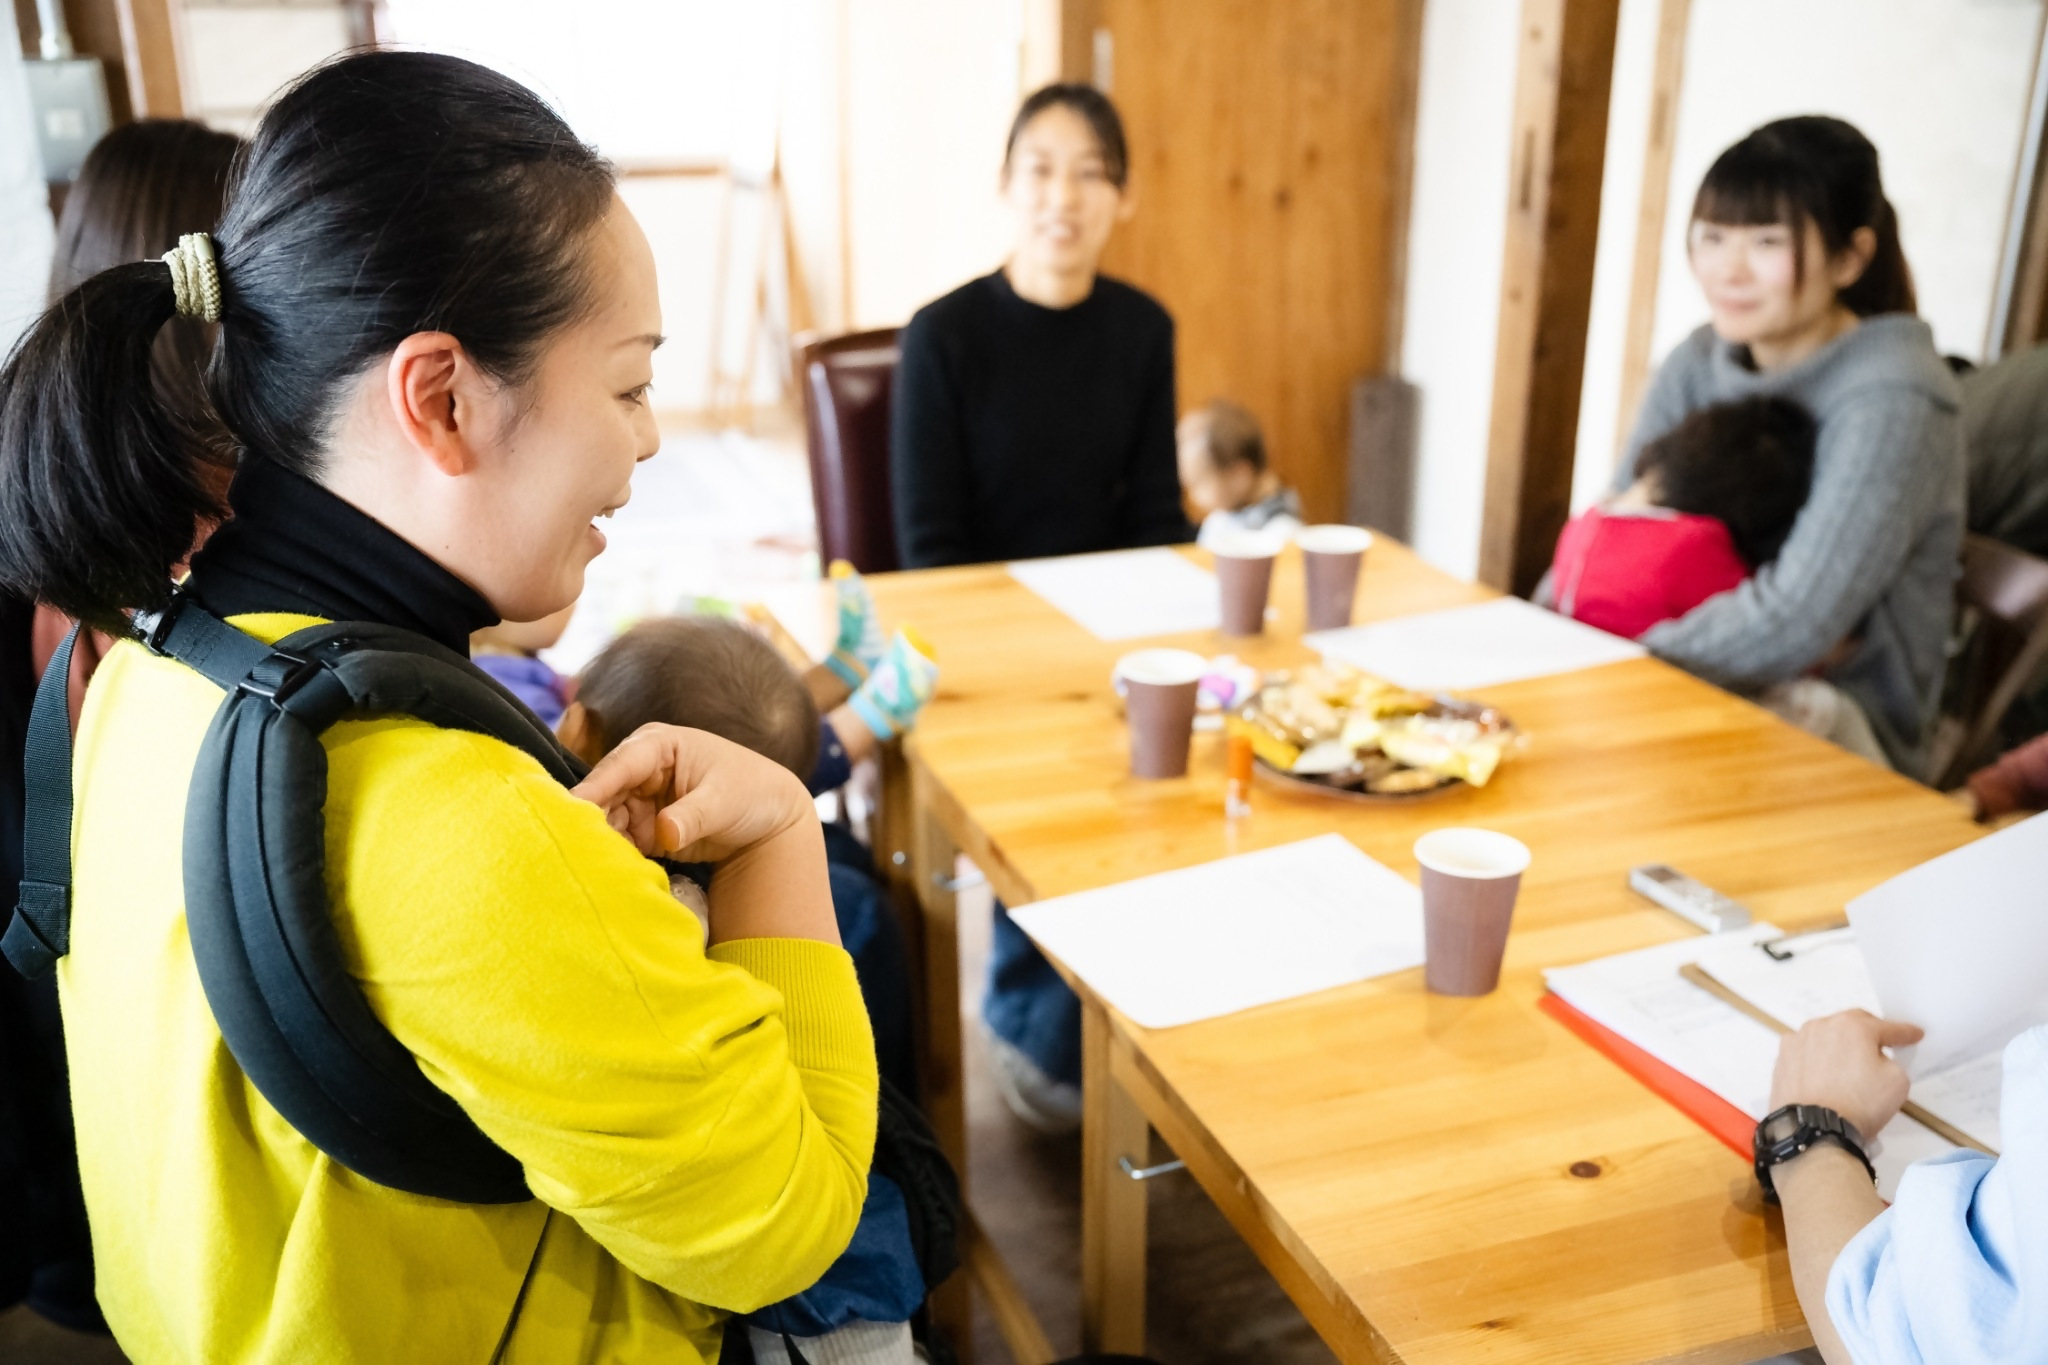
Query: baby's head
[1747, 463]
[697, 671]
[1222, 457]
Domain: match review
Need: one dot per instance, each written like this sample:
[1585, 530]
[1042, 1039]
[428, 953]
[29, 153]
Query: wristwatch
[1788, 1132]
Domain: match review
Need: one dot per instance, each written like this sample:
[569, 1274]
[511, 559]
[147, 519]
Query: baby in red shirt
[1713, 500]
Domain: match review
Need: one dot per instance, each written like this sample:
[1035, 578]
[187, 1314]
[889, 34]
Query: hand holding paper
[1839, 1062]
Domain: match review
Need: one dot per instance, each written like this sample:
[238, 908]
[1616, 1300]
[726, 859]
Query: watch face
[1778, 1127]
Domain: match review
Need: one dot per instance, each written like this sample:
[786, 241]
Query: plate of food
[1336, 731]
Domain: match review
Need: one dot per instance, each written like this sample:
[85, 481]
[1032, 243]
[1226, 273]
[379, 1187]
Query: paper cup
[1470, 878]
[1159, 703]
[1331, 557]
[1244, 578]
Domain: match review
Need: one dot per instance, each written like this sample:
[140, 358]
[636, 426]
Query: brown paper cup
[1470, 878]
[1244, 577]
[1331, 557]
[1159, 702]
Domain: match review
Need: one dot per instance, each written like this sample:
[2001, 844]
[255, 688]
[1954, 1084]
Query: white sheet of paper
[1966, 1096]
[1959, 946]
[1825, 975]
[1126, 594]
[1221, 937]
[1488, 643]
[1641, 996]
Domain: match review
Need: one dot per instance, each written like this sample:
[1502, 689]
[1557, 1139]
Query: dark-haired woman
[141, 186]
[1033, 411]
[1797, 251]
[436, 330]
[1033, 415]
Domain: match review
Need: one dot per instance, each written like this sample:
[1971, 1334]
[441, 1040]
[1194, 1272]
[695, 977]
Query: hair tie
[195, 277]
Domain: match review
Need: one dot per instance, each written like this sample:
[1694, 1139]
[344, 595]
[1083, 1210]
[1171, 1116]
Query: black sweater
[292, 546]
[1020, 431]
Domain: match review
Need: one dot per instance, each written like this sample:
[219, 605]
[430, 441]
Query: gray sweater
[2005, 417]
[1874, 552]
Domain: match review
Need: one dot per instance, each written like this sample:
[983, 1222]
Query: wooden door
[1270, 143]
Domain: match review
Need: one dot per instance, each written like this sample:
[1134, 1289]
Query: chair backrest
[847, 382]
[2002, 641]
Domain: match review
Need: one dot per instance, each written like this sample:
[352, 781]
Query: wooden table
[1430, 1179]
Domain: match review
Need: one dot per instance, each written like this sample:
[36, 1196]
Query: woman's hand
[689, 795]
[1838, 1062]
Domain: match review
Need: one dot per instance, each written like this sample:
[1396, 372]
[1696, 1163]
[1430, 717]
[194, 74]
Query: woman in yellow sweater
[436, 327]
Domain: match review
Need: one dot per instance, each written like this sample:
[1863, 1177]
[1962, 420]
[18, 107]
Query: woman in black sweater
[1034, 415]
[1034, 407]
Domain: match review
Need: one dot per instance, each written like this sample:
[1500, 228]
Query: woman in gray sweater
[1797, 251]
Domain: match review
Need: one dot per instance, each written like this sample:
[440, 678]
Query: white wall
[233, 57]
[932, 87]
[1457, 228]
[26, 234]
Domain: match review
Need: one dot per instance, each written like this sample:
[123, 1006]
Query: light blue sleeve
[1956, 1271]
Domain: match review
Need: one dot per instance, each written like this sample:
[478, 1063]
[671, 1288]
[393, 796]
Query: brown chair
[847, 381]
[2001, 644]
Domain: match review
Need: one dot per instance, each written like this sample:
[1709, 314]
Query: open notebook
[1786, 982]
[1650, 1002]
[1957, 945]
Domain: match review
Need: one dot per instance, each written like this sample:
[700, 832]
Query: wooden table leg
[1112, 1204]
[933, 857]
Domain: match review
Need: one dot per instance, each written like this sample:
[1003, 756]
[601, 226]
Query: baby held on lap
[1713, 501]
[716, 675]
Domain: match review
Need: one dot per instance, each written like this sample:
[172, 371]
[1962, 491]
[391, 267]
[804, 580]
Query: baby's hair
[1748, 463]
[708, 674]
[1231, 435]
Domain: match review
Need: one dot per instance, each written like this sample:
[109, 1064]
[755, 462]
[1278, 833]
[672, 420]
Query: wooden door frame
[2019, 309]
[1563, 83]
[1653, 208]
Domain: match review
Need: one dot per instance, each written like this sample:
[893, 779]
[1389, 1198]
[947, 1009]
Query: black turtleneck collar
[292, 546]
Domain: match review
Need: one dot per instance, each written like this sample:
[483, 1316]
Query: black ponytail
[1819, 170]
[98, 493]
[386, 193]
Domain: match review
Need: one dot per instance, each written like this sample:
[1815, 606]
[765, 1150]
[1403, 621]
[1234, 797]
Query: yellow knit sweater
[697, 1126]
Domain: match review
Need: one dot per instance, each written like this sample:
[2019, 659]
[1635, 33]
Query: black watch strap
[1797, 1128]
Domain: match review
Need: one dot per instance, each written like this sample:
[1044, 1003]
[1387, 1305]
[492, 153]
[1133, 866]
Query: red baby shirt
[1626, 571]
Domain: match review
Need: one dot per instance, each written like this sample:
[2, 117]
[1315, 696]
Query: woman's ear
[1855, 258]
[437, 398]
[580, 733]
[1126, 203]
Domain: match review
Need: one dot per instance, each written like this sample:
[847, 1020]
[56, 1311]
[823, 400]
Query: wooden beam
[149, 52]
[2018, 317]
[1562, 85]
[1078, 21]
[1652, 208]
[1404, 99]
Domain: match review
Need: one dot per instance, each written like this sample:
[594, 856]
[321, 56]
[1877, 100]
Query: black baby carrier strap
[256, 904]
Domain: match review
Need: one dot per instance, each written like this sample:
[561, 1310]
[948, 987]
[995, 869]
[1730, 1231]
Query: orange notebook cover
[1694, 1100]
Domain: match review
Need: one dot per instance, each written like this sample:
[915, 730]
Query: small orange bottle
[1237, 793]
